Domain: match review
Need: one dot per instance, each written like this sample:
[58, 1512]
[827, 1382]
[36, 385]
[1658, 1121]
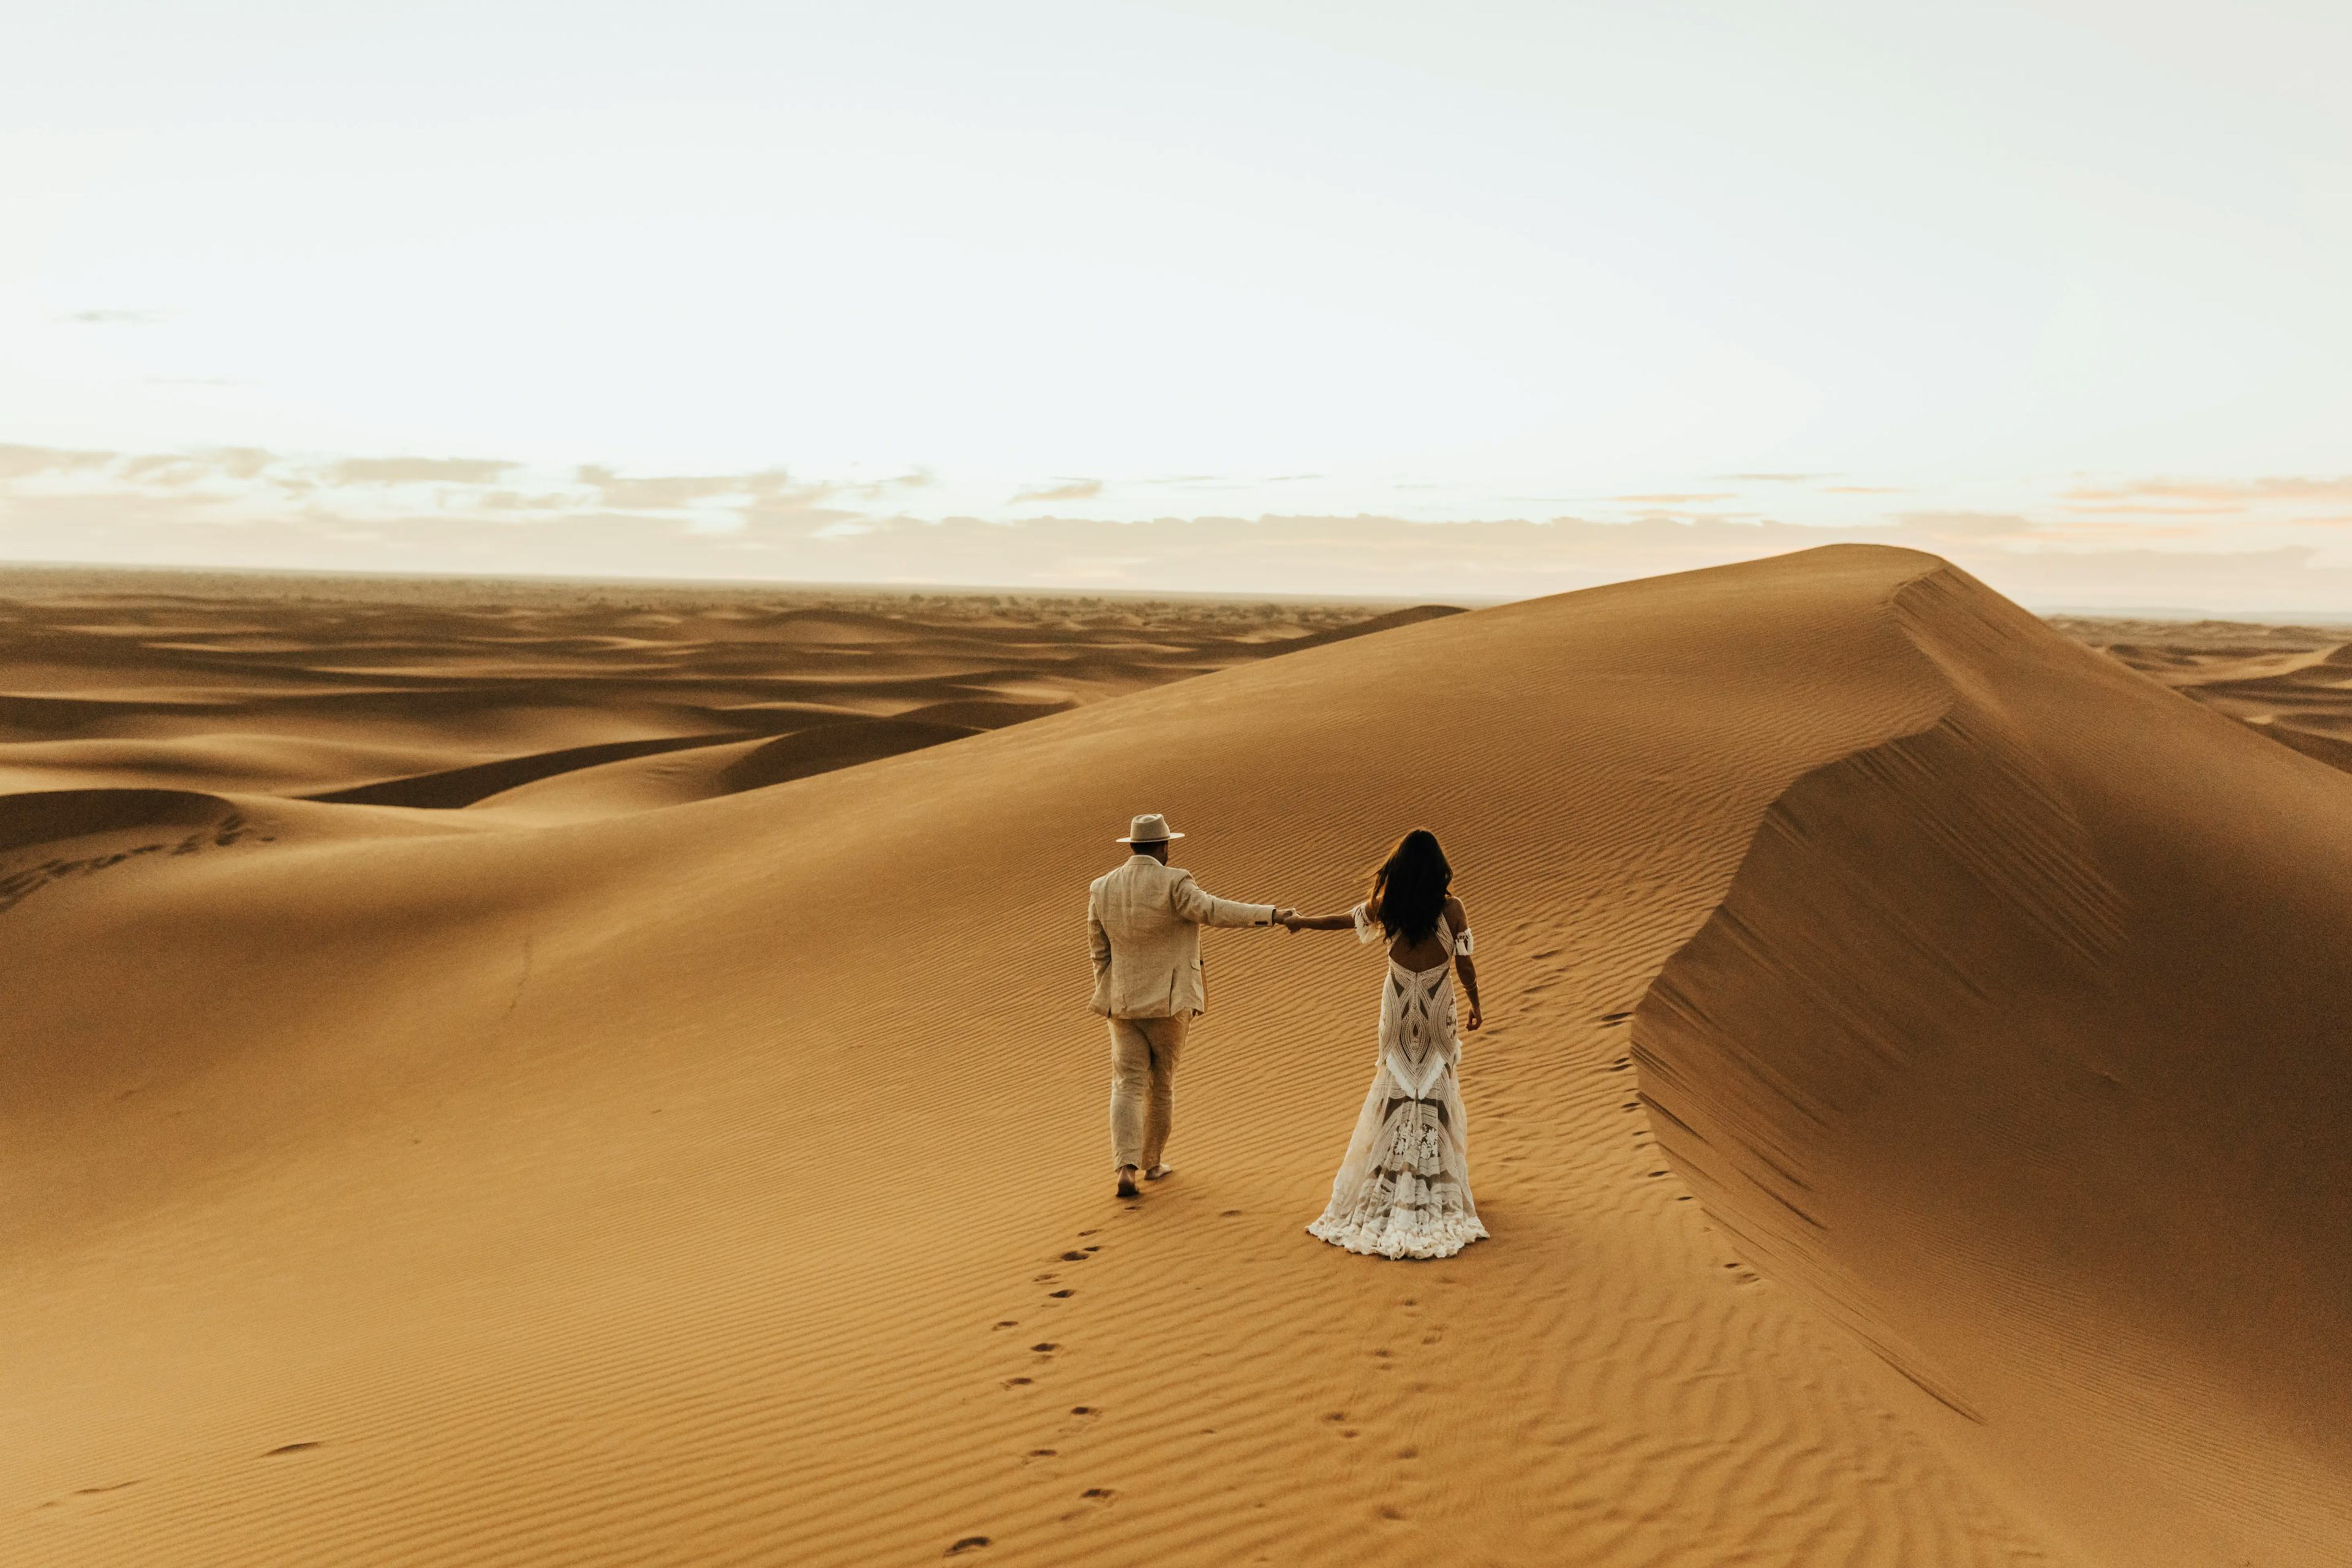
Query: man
[1143, 922]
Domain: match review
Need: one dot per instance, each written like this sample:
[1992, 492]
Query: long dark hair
[1409, 889]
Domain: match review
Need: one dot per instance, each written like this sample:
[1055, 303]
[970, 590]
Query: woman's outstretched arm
[1322, 922]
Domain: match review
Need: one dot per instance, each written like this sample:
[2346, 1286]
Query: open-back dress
[1404, 1189]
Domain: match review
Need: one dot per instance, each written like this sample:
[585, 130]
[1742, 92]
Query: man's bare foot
[1127, 1187]
[1159, 1172]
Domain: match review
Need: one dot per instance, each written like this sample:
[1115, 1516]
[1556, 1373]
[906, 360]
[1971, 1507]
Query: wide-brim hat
[1149, 828]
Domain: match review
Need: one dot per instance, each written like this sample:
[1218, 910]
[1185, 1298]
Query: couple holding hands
[1403, 1190]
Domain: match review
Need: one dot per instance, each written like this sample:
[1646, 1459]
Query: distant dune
[2292, 683]
[436, 696]
[1911, 1116]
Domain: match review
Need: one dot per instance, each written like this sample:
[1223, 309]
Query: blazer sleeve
[1202, 908]
[1097, 939]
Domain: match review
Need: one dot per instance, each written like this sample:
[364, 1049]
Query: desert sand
[2292, 682]
[535, 1081]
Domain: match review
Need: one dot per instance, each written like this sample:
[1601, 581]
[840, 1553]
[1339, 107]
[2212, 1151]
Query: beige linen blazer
[1143, 923]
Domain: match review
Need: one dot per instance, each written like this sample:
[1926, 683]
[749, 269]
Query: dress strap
[1453, 942]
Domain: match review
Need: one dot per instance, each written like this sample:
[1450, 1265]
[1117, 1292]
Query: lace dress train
[1403, 1190]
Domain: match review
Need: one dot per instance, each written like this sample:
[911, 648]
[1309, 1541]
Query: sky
[1468, 300]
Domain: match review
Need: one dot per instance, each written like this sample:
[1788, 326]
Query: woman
[1404, 1188]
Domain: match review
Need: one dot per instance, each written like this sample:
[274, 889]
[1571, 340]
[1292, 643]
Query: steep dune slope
[2020, 1044]
[725, 1183]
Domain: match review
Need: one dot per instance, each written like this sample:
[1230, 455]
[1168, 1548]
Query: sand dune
[2018, 1042]
[725, 1182]
[436, 696]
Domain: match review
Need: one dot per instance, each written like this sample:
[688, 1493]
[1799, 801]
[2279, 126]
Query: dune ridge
[725, 1183]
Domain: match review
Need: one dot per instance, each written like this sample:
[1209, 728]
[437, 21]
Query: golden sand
[1911, 1116]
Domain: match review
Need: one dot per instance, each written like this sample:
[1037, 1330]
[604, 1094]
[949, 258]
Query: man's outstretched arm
[1202, 908]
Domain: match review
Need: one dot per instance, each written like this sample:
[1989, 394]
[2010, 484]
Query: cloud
[244, 506]
[1863, 490]
[240, 462]
[1940, 528]
[1071, 490]
[873, 489]
[800, 509]
[1678, 500]
[670, 492]
[1953, 526]
[418, 470]
[170, 470]
[115, 318]
[2137, 508]
[1777, 479]
[2289, 488]
[23, 462]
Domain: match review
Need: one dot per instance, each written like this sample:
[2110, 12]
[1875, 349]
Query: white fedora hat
[1148, 828]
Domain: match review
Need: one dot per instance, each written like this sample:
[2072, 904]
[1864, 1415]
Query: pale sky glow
[762, 290]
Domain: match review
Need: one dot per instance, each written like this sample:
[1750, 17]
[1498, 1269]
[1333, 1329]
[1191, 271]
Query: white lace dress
[1404, 1189]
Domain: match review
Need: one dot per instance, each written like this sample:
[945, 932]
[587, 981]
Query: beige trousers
[1143, 1053]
